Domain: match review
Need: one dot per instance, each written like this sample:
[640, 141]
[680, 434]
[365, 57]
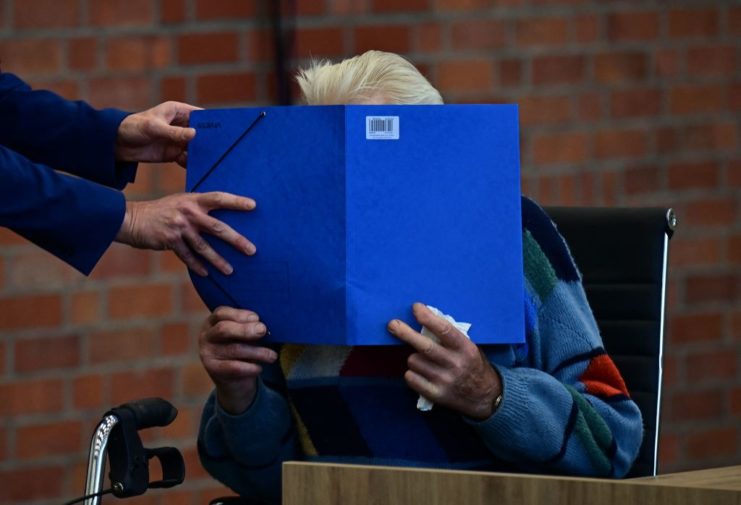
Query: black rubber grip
[149, 412]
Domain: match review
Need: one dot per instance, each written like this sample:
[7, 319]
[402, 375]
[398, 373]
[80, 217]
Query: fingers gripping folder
[363, 210]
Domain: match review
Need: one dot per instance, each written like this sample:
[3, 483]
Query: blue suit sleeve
[65, 135]
[74, 219]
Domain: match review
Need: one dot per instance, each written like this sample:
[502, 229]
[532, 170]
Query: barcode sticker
[381, 127]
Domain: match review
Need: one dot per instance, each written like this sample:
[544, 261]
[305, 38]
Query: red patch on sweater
[602, 378]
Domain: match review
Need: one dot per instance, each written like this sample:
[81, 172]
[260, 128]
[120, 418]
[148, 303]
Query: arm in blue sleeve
[65, 135]
[74, 219]
[549, 421]
[245, 452]
[565, 408]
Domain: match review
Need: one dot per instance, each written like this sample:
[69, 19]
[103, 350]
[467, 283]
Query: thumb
[176, 134]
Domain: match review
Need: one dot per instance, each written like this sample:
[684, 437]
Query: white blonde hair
[374, 77]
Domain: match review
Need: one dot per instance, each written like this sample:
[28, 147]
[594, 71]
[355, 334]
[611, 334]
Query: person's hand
[229, 352]
[454, 372]
[156, 135]
[176, 222]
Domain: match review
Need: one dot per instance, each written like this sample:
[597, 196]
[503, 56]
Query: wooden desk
[322, 484]
[728, 478]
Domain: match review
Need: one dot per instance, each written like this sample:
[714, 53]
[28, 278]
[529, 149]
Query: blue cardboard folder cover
[363, 210]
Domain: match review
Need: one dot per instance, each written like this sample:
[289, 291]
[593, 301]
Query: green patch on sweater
[593, 433]
[538, 270]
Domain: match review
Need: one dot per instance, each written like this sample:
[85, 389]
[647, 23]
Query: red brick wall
[622, 103]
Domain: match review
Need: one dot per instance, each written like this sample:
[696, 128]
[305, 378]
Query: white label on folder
[381, 127]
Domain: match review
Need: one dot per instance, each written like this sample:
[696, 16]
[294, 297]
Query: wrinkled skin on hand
[230, 352]
[452, 372]
[159, 134]
[176, 222]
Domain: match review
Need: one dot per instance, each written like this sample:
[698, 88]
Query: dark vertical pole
[282, 21]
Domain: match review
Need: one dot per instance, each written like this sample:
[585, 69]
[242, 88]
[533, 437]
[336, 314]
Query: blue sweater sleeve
[245, 452]
[62, 134]
[565, 408]
[74, 219]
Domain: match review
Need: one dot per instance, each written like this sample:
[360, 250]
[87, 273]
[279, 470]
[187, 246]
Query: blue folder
[363, 210]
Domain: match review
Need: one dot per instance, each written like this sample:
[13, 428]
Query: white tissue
[423, 403]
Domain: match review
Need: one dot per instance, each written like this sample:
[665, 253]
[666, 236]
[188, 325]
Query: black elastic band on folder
[205, 176]
[226, 153]
[224, 292]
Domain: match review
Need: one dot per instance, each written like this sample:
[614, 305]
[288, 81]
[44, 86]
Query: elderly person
[556, 404]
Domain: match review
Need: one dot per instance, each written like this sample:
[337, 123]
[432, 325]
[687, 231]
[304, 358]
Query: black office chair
[622, 255]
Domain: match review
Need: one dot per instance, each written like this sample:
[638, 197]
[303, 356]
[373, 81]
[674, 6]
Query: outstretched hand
[452, 372]
[176, 222]
[158, 134]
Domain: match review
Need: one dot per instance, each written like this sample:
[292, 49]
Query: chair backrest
[622, 255]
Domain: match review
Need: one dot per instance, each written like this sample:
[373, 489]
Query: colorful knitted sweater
[565, 408]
